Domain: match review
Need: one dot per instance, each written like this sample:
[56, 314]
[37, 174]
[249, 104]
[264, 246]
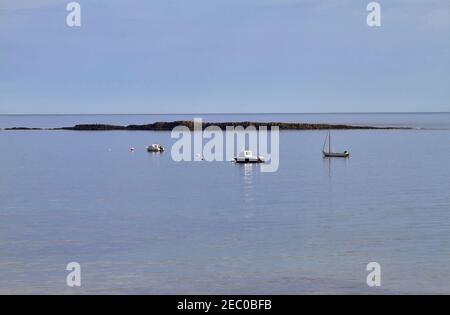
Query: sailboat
[328, 153]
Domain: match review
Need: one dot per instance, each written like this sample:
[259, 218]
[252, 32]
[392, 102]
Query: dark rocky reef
[168, 126]
[24, 128]
[93, 127]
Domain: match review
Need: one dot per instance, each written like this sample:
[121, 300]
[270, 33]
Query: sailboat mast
[329, 142]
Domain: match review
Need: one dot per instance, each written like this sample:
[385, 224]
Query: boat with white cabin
[246, 156]
[155, 148]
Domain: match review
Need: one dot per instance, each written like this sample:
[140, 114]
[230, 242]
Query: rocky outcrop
[168, 126]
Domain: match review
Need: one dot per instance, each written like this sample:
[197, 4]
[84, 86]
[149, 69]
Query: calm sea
[142, 223]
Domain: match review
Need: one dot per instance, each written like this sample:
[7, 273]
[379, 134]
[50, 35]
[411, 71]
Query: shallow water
[142, 223]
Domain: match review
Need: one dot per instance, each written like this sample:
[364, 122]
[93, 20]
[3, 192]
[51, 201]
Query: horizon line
[224, 113]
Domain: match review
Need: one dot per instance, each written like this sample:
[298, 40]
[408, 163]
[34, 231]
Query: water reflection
[248, 172]
[329, 163]
[155, 157]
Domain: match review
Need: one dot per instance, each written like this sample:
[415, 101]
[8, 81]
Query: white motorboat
[155, 148]
[246, 156]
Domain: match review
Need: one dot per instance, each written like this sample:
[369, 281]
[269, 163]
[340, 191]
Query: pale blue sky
[216, 56]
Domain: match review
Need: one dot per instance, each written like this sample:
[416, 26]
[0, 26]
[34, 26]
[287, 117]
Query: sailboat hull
[336, 154]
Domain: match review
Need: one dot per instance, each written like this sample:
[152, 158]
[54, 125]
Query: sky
[224, 56]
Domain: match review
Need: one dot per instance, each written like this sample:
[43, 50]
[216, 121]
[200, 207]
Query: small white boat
[246, 156]
[329, 153]
[155, 148]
